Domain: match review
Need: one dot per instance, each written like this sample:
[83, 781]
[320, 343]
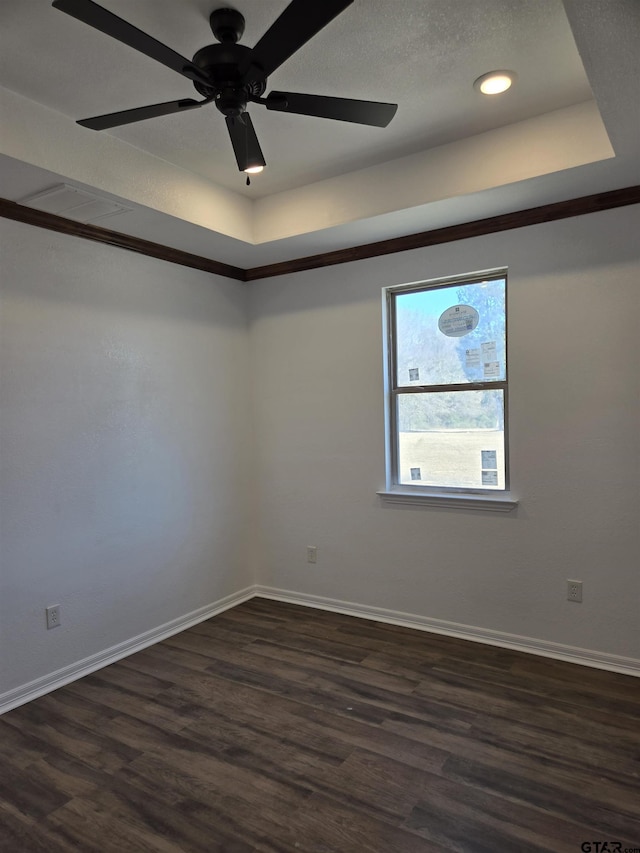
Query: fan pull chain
[248, 181]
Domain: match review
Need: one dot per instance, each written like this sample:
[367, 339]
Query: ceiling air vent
[75, 204]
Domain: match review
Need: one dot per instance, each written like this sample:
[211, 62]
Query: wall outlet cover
[574, 591]
[53, 616]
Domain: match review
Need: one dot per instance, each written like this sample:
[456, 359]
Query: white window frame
[497, 500]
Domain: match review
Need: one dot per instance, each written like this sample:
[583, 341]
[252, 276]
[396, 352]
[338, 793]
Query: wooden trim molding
[504, 222]
[41, 219]
[478, 228]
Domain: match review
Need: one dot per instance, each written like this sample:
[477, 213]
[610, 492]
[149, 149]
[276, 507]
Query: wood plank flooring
[273, 727]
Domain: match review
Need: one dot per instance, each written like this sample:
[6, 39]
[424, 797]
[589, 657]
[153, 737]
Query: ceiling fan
[231, 75]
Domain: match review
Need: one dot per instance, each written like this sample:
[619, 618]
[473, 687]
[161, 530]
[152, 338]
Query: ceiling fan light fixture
[231, 75]
[495, 82]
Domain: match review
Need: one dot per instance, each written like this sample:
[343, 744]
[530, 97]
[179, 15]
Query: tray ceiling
[327, 183]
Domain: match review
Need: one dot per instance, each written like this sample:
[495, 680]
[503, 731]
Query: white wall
[574, 325]
[133, 492]
[124, 441]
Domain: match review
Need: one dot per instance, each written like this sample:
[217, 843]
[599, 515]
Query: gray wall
[574, 327]
[169, 438]
[124, 440]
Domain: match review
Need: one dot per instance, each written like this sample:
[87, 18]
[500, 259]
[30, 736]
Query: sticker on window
[415, 474]
[472, 358]
[458, 321]
[489, 352]
[489, 478]
[491, 369]
[414, 373]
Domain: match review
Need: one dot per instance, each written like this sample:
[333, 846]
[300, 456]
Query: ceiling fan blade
[139, 114]
[101, 19]
[299, 22]
[245, 142]
[341, 109]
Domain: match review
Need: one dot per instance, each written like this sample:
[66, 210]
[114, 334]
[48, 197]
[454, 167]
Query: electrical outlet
[574, 591]
[53, 616]
[312, 554]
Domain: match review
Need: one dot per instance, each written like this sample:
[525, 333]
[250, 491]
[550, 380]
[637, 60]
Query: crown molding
[41, 219]
[479, 227]
[464, 231]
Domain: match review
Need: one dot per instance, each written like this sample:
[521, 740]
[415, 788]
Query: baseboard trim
[47, 683]
[558, 651]
[27, 692]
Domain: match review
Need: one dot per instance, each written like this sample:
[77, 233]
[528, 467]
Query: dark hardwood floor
[280, 728]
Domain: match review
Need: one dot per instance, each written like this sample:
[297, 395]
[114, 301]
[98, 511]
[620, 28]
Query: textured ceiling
[328, 183]
[416, 53]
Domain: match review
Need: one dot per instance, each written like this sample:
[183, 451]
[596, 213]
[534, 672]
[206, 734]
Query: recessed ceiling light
[495, 82]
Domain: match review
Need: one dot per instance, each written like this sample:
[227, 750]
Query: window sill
[450, 501]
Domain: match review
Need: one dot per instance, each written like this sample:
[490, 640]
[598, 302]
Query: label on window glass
[489, 352]
[414, 373]
[458, 321]
[472, 358]
[489, 478]
[492, 370]
[415, 474]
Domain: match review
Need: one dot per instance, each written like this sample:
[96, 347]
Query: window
[447, 387]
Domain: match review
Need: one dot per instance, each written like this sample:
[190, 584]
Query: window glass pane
[451, 335]
[452, 438]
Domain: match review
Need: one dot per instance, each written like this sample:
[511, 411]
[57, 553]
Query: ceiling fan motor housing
[224, 65]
